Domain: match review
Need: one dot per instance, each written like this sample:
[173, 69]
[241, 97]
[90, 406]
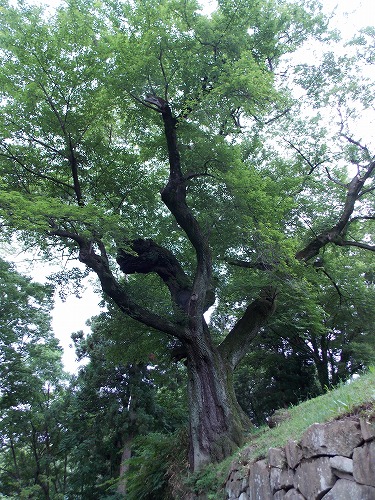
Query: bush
[156, 469]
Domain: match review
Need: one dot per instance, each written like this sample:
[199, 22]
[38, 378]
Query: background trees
[32, 461]
[71, 437]
[107, 106]
[123, 392]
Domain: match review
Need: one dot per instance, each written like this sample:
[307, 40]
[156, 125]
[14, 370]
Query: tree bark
[124, 466]
[217, 423]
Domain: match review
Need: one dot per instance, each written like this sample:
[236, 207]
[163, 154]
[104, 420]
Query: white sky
[71, 315]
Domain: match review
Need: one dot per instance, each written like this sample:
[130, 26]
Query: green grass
[346, 399]
[356, 397]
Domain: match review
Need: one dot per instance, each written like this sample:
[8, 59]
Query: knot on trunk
[159, 103]
[146, 256]
[266, 303]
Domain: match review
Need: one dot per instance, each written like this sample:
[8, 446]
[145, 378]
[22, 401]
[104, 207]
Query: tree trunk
[323, 373]
[217, 423]
[124, 466]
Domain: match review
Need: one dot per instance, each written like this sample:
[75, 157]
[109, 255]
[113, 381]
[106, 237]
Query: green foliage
[210, 480]
[124, 394]
[31, 391]
[321, 334]
[156, 469]
[83, 159]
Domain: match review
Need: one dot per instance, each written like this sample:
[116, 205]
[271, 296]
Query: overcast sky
[71, 315]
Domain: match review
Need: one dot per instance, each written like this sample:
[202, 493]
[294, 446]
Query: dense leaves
[165, 149]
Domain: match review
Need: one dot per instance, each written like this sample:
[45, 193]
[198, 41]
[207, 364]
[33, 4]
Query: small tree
[115, 399]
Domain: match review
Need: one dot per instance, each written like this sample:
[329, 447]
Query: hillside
[354, 399]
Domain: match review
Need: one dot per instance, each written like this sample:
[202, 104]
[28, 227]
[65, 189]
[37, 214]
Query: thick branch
[111, 287]
[237, 342]
[365, 246]
[154, 258]
[174, 197]
[335, 233]
[362, 217]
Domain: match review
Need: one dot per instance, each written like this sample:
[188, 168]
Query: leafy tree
[321, 334]
[146, 138]
[113, 402]
[31, 460]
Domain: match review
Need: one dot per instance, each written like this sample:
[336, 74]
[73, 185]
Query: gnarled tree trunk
[217, 423]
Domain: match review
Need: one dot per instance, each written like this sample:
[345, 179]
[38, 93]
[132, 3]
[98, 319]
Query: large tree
[141, 138]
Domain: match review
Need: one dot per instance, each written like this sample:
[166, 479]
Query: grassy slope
[357, 397]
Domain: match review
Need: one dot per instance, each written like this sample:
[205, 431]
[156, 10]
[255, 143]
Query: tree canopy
[164, 149]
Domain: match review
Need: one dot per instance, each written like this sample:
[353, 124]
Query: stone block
[293, 495]
[338, 437]
[364, 464]
[278, 417]
[342, 467]
[243, 496]
[259, 481]
[342, 464]
[349, 490]
[367, 429]
[276, 457]
[314, 477]
[236, 484]
[293, 453]
[279, 495]
[281, 478]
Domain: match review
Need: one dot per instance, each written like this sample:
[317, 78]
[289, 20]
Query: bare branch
[333, 283]
[335, 233]
[111, 287]
[357, 143]
[311, 165]
[166, 83]
[362, 217]
[54, 109]
[198, 174]
[262, 266]
[335, 180]
[145, 103]
[16, 159]
[367, 190]
[279, 115]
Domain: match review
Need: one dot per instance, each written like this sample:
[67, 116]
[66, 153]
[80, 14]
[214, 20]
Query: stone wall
[332, 461]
